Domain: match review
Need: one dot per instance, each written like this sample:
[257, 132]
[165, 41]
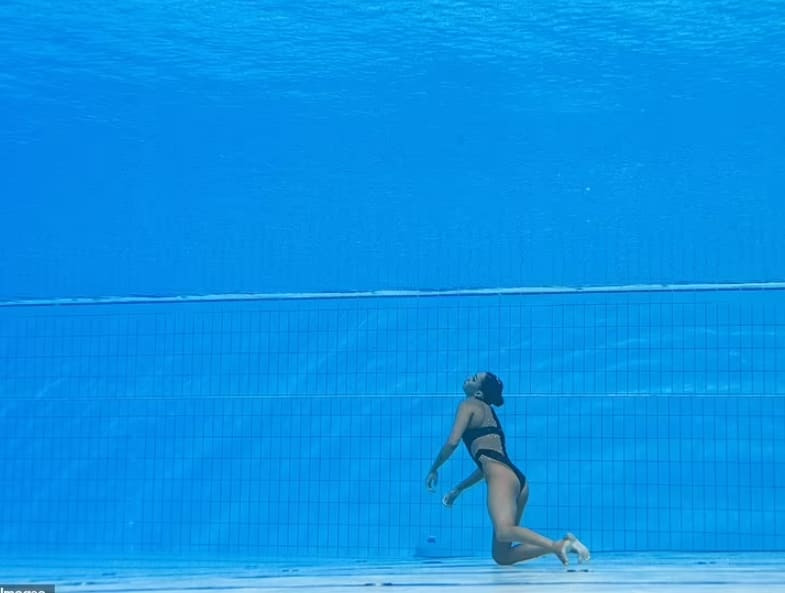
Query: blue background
[196, 148]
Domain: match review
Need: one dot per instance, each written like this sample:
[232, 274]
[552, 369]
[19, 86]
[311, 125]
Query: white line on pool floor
[639, 573]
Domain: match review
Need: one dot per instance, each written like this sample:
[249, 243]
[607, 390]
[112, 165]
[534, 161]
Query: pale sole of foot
[577, 546]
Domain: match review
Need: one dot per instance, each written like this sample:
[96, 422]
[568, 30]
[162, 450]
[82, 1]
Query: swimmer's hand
[430, 481]
[450, 497]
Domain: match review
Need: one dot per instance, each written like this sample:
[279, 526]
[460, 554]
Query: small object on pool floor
[431, 549]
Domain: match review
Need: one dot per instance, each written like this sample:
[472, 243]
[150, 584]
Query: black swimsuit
[490, 444]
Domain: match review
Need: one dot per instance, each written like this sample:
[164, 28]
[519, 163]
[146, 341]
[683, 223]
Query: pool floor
[661, 573]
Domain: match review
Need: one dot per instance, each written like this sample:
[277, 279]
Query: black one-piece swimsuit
[493, 448]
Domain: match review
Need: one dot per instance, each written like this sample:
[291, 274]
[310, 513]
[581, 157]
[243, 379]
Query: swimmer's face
[472, 384]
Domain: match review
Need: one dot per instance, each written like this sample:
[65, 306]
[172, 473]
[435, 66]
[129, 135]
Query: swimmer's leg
[504, 552]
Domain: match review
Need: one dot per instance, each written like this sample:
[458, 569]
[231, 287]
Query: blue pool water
[197, 147]
[193, 148]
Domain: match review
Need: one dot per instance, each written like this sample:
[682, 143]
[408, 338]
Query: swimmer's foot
[560, 548]
[576, 545]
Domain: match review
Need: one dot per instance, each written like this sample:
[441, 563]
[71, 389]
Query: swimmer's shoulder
[474, 406]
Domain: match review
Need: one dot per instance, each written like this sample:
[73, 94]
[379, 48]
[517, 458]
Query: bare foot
[560, 548]
[576, 545]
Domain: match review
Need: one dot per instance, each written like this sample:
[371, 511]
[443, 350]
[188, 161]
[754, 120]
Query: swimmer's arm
[477, 476]
[453, 494]
[443, 456]
[459, 426]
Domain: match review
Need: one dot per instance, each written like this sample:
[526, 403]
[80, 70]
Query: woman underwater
[478, 426]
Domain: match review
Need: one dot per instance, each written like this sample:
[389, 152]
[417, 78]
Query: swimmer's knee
[503, 560]
[500, 551]
[502, 556]
[505, 534]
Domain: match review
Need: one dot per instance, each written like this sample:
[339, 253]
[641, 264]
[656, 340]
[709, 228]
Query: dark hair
[491, 387]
